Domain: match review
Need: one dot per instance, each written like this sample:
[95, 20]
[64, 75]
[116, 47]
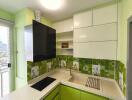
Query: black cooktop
[43, 83]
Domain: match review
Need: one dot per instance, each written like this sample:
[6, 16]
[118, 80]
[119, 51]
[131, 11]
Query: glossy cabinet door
[57, 97]
[54, 95]
[68, 93]
[63, 92]
[96, 33]
[63, 26]
[89, 96]
[107, 14]
[83, 19]
[96, 50]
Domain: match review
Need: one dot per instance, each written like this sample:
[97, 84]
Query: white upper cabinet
[96, 33]
[83, 19]
[63, 26]
[105, 15]
[96, 50]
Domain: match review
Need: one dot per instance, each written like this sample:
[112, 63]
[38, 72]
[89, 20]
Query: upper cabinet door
[105, 15]
[96, 50]
[96, 33]
[63, 26]
[83, 19]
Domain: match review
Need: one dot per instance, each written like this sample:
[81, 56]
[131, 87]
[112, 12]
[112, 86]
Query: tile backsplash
[106, 67]
[120, 69]
[103, 67]
[44, 66]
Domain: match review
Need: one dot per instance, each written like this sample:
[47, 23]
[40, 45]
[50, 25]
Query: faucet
[71, 70]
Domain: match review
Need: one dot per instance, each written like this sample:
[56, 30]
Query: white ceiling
[69, 8]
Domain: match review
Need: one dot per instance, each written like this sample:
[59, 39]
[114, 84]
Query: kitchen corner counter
[29, 93]
[62, 76]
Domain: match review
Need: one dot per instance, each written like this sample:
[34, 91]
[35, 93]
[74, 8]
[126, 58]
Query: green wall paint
[46, 21]
[6, 15]
[23, 18]
[125, 12]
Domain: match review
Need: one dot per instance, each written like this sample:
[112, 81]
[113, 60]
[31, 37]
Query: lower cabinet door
[89, 96]
[68, 93]
[54, 95]
[57, 97]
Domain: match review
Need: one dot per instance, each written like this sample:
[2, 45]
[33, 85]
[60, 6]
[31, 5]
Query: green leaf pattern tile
[108, 68]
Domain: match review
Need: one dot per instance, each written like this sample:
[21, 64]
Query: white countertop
[110, 88]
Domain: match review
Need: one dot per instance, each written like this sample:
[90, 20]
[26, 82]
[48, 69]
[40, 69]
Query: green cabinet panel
[89, 96]
[57, 97]
[54, 95]
[63, 92]
[68, 93]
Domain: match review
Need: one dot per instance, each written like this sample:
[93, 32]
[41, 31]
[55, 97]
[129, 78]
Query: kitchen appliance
[43, 83]
[40, 42]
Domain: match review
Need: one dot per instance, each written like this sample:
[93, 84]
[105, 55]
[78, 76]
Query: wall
[46, 21]
[23, 18]
[6, 15]
[125, 10]
[43, 67]
[85, 65]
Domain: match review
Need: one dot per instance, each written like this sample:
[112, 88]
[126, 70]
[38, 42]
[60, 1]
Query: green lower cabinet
[68, 93]
[54, 95]
[57, 97]
[89, 96]
[63, 92]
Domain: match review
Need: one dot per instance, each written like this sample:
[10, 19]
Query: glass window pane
[0, 85]
[4, 45]
[4, 60]
[5, 83]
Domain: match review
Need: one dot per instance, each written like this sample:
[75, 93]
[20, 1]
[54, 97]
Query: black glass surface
[44, 42]
[43, 83]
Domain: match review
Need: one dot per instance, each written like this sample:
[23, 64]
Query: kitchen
[60, 50]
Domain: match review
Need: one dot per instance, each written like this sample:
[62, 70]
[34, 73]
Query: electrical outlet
[96, 69]
[35, 71]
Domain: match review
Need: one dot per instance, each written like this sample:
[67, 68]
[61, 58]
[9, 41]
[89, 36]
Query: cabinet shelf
[68, 40]
[64, 37]
[65, 54]
[64, 48]
[65, 33]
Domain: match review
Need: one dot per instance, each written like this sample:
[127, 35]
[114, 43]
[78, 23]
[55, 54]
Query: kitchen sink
[86, 80]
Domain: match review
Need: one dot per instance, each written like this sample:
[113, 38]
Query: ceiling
[69, 8]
